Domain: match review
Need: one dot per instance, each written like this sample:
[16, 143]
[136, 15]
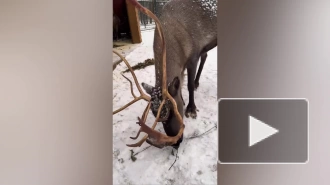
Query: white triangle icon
[259, 131]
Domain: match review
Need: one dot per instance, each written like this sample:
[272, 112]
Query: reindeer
[185, 32]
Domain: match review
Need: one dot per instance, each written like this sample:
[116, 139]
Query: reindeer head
[162, 101]
[167, 117]
[156, 97]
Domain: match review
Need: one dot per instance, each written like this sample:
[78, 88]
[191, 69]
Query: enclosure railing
[155, 6]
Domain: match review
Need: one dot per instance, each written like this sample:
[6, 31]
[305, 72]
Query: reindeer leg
[191, 69]
[200, 69]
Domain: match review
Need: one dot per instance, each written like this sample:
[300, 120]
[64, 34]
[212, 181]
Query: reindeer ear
[147, 88]
[174, 86]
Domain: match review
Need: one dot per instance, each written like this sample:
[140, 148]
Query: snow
[124, 47]
[197, 157]
[210, 5]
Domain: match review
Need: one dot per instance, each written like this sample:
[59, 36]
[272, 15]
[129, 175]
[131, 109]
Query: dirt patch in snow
[142, 65]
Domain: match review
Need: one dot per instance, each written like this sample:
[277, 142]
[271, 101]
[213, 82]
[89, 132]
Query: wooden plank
[134, 23]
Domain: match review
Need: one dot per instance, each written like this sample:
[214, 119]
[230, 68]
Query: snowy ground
[197, 158]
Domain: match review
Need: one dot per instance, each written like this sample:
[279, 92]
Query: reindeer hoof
[191, 111]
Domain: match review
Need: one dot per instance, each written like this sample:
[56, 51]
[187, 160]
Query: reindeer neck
[174, 64]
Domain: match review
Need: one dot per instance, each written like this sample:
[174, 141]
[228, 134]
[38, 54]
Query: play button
[259, 131]
[254, 131]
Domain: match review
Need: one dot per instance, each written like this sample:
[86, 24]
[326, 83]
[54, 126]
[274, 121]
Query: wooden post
[134, 23]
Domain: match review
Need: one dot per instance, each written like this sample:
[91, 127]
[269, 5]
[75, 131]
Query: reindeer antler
[142, 94]
[153, 137]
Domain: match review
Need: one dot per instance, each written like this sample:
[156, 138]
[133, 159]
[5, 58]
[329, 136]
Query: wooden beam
[134, 23]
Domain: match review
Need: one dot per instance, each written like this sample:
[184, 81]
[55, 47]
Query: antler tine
[144, 118]
[146, 129]
[131, 84]
[142, 94]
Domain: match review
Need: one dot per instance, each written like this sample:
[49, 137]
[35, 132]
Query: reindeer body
[190, 31]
